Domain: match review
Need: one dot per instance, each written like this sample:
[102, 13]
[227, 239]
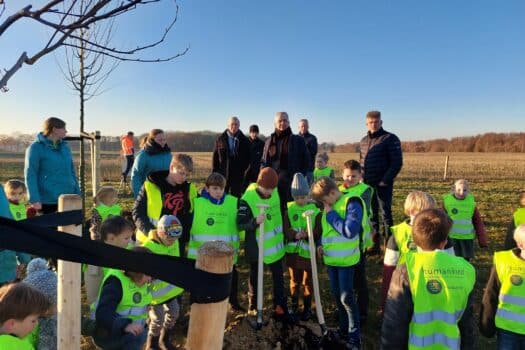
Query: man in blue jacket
[381, 159]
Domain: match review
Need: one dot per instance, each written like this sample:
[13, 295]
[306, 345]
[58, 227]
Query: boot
[307, 308]
[252, 305]
[152, 343]
[295, 304]
[166, 339]
[234, 300]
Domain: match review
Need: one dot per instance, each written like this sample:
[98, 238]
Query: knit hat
[171, 225]
[267, 178]
[299, 186]
[40, 277]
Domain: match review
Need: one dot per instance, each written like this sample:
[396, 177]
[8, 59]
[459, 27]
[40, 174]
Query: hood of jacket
[153, 148]
[41, 138]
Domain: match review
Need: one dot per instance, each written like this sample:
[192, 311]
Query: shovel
[328, 337]
[260, 271]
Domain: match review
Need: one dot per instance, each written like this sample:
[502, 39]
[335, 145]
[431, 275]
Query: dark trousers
[509, 340]
[382, 208]
[361, 287]
[234, 186]
[49, 208]
[278, 284]
[129, 164]
[234, 288]
[300, 277]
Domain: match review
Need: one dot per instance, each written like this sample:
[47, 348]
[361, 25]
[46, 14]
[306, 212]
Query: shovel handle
[260, 263]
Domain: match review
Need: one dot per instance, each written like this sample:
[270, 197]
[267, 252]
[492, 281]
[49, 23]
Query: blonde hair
[519, 235]
[322, 188]
[14, 184]
[182, 161]
[522, 199]
[418, 201]
[463, 182]
[103, 192]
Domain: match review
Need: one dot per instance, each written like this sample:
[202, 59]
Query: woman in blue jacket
[154, 155]
[49, 170]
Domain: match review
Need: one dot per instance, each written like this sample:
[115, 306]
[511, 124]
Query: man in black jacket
[311, 143]
[256, 149]
[381, 159]
[231, 157]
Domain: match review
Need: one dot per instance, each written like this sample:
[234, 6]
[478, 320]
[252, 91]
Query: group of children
[430, 290]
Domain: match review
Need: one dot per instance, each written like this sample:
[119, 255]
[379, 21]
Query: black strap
[205, 287]
[73, 217]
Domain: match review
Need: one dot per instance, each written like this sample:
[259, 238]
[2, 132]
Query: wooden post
[207, 321]
[446, 169]
[68, 289]
[95, 180]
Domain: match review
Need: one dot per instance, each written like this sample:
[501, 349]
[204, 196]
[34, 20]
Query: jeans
[342, 287]
[507, 340]
[127, 341]
[278, 284]
[361, 287]
[382, 206]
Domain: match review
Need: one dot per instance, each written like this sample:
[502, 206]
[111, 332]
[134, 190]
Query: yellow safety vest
[326, 171]
[214, 222]
[163, 291]
[154, 205]
[461, 212]
[273, 224]
[18, 211]
[519, 217]
[357, 191]
[106, 211]
[403, 236]
[510, 315]
[298, 223]
[135, 299]
[440, 285]
[10, 342]
[337, 249]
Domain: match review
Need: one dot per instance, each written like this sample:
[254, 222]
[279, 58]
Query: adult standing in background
[381, 159]
[48, 169]
[154, 155]
[287, 154]
[256, 149]
[311, 143]
[231, 157]
[128, 151]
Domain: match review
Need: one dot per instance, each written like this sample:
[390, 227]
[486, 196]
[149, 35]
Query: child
[297, 249]
[165, 308]
[214, 218]
[502, 310]
[105, 206]
[518, 218]
[120, 311]
[353, 185]
[341, 222]
[467, 223]
[166, 192]
[321, 167]
[43, 279]
[248, 219]
[15, 191]
[20, 307]
[429, 303]
[115, 231]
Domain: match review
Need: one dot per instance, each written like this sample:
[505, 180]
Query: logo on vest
[137, 297]
[434, 287]
[18, 215]
[210, 221]
[516, 280]
[295, 217]
[454, 211]
[268, 216]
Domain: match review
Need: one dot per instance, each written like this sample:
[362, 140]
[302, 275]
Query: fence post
[446, 169]
[95, 165]
[68, 289]
[207, 321]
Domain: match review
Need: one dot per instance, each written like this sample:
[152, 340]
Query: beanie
[299, 186]
[39, 276]
[171, 225]
[267, 178]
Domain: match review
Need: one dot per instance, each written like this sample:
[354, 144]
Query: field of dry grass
[496, 179]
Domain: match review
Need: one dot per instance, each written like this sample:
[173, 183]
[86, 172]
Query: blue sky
[434, 68]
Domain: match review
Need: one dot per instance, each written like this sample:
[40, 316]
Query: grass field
[495, 182]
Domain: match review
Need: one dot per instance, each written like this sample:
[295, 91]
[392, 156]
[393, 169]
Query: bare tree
[65, 22]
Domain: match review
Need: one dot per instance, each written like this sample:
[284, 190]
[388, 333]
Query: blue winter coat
[49, 171]
[8, 258]
[151, 158]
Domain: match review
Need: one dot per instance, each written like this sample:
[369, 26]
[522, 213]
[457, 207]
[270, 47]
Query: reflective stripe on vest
[510, 269]
[135, 299]
[273, 223]
[403, 235]
[214, 222]
[298, 223]
[440, 285]
[337, 249]
[461, 212]
[519, 217]
[106, 211]
[18, 211]
[358, 191]
[162, 291]
[326, 171]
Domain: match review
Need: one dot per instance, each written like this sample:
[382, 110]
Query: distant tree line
[203, 141]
